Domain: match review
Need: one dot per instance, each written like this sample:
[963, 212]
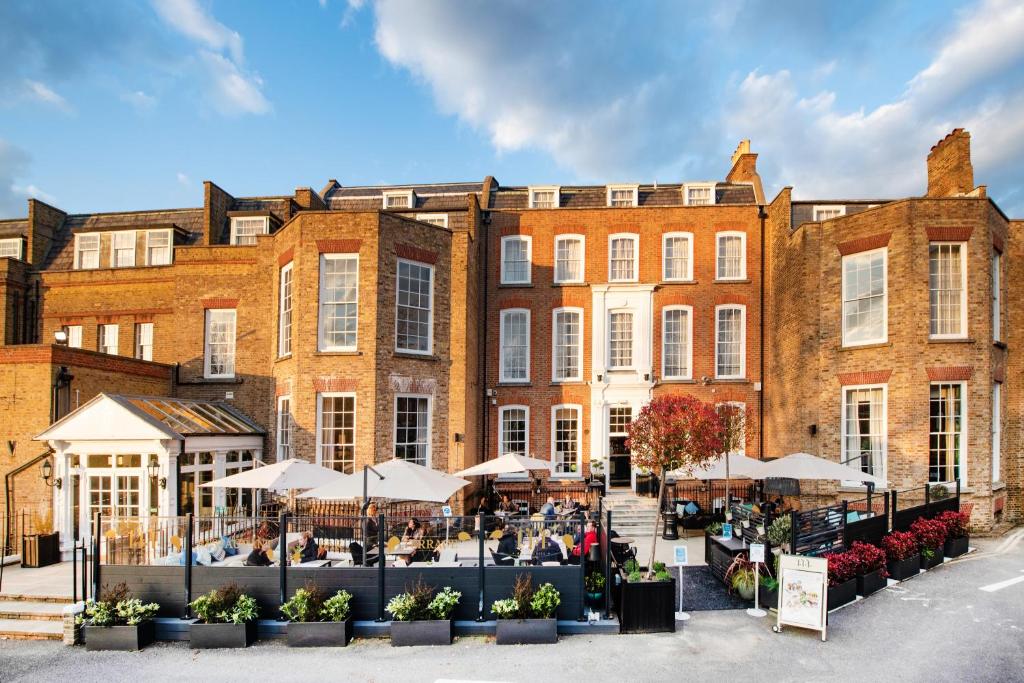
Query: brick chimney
[744, 169]
[950, 173]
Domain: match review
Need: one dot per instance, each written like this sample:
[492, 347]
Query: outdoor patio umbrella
[396, 479]
[739, 467]
[281, 476]
[505, 464]
[807, 466]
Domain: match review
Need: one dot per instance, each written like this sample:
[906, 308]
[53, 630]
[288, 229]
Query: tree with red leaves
[671, 433]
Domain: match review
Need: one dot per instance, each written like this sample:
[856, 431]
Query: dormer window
[544, 197]
[438, 219]
[827, 212]
[403, 199]
[699, 194]
[10, 247]
[623, 195]
[244, 229]
[87, 251]
[122, 249]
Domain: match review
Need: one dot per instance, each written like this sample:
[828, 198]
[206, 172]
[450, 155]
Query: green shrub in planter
[421, 618]
[117, 621]
[316, 621]
[528, 617]
[226, 617]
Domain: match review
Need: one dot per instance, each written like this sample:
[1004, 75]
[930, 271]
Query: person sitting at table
[370, 530]
[413, 531]
[546, 550]
[258, 556]
[589, 539]
[310, 550]
[548, 509]
[507, 506]
[507, 543]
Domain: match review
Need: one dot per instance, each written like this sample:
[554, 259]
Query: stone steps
[19, 597]
[38, 611]
[32, 617]
[31, 629]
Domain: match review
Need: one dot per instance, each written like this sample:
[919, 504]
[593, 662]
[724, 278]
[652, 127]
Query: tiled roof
[378, 190]
[594, 196]
[15, 227]
[452, 202]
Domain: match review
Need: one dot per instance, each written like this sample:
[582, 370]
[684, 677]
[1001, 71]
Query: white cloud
[43, 93]
[233, 92]
[14, 164]
[138, 99]
[31, 190]
[183, 179]
[188, 18]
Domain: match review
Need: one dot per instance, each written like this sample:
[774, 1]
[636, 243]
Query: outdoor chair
[356, 550]
[502, 560]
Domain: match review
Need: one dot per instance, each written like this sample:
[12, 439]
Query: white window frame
[285, 316]
[534, 189]
[79, 251]
[103, 338]
[430, 311]
[322, 344]
[578, 377]
[997, 296]
[843, 459]
[818, 209]
[578, 474]
[962, 334]
[743, 255]
[635, 238]
[206, 343]
[18, 245]
[689, 342]
[319, 424]
[743, 340]
[114, 248]
[632, 340]
[964, 437]
[74, 333]
[264, 228]
[438, 219]
[282, 427]
[529, 259]
[526, 432]
[710, 186]
[169, 247]
[409, 195]
[688, 275]
[505, 312]
[885, 296]
[429, 458]
[634, 188]
[140, 347]
[565, 237]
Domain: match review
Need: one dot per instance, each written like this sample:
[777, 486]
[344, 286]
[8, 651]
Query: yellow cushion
[393, 542]
[496, 534]
[463, 536]
[567, 539]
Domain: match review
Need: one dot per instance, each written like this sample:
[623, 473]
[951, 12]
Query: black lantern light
[47, 470]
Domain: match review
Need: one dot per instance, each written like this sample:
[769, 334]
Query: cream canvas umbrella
[739, 466]
[396, 479]
[807, 466]
[505, 464]
[286, 475]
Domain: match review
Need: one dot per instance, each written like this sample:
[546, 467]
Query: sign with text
[803, 592]
[757, 552]
[727, 530]
[679, 555]
[446, 510]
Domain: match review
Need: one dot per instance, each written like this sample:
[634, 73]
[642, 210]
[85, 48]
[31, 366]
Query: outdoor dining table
[622, 540]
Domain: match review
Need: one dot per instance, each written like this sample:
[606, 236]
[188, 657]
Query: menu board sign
[803, 587]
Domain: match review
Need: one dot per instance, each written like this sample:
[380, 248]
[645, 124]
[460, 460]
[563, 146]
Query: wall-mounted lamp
[47, 469]
[154, 473]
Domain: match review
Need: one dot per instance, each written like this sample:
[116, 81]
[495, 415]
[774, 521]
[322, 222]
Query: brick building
[450, 323]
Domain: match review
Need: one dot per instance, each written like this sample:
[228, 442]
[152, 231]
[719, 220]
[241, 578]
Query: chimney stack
[744, 169]
[950, 173]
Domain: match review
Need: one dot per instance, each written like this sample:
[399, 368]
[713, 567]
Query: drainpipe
[484, 448]
[762, 215]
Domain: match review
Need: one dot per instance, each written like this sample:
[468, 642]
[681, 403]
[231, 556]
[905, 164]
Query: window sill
[875, 345]
[950, 340]
[567, 382]
[514, 285]
[213, 380]
[338, 353]
[996, 486]
[674, 380]
[680, 282]
[730, 380]
[514, 384]
[999, 345]
[286, 356]
[739, 281]
[570, 284]
[566, 477]
[396, 354]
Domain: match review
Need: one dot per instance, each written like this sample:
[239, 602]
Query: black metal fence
[921, 502]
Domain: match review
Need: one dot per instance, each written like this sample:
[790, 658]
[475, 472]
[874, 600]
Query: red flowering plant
[899, 545]
[956, 523]
[930, 533]
[841, 568]
[867, 558]
[674, 432]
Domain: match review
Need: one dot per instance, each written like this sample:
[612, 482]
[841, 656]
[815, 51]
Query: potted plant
[869, 564]
[418, 617]
[779, 534]
[42, 548]
[647, 605]
[768, 592]
[931, 539]
[528, 617]
[318, 621]
[901, 553]
[842, 579]
[594, 584]
[957, 532]
[225, 617]
[117, 621]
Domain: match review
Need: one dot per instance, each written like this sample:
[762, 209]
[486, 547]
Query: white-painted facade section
[628, 386]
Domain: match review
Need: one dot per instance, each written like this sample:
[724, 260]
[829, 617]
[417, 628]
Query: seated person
[370, 530]
[507, 545]
[546, 550]
[413, 531]
[548, 508]
[258, 556]
[507, 506]
[310, 550]
[589, 539]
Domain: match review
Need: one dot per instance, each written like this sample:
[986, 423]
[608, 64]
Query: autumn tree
[734, 430]
[674, 432]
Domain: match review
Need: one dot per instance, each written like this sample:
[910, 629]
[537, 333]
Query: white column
[169, 468]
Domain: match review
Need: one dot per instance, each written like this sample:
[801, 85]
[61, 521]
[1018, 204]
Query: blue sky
[118, 105]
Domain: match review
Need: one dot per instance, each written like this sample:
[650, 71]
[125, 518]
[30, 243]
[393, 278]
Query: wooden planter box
[768, 599]
[904, 569]
[40, 550]
[935, 561]
[869, 583]
[842, 594]
[430, 632]
[647, 607]
[955, 547]
[213, 636]
[319, 633]
[119, 637]
[526, 631]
